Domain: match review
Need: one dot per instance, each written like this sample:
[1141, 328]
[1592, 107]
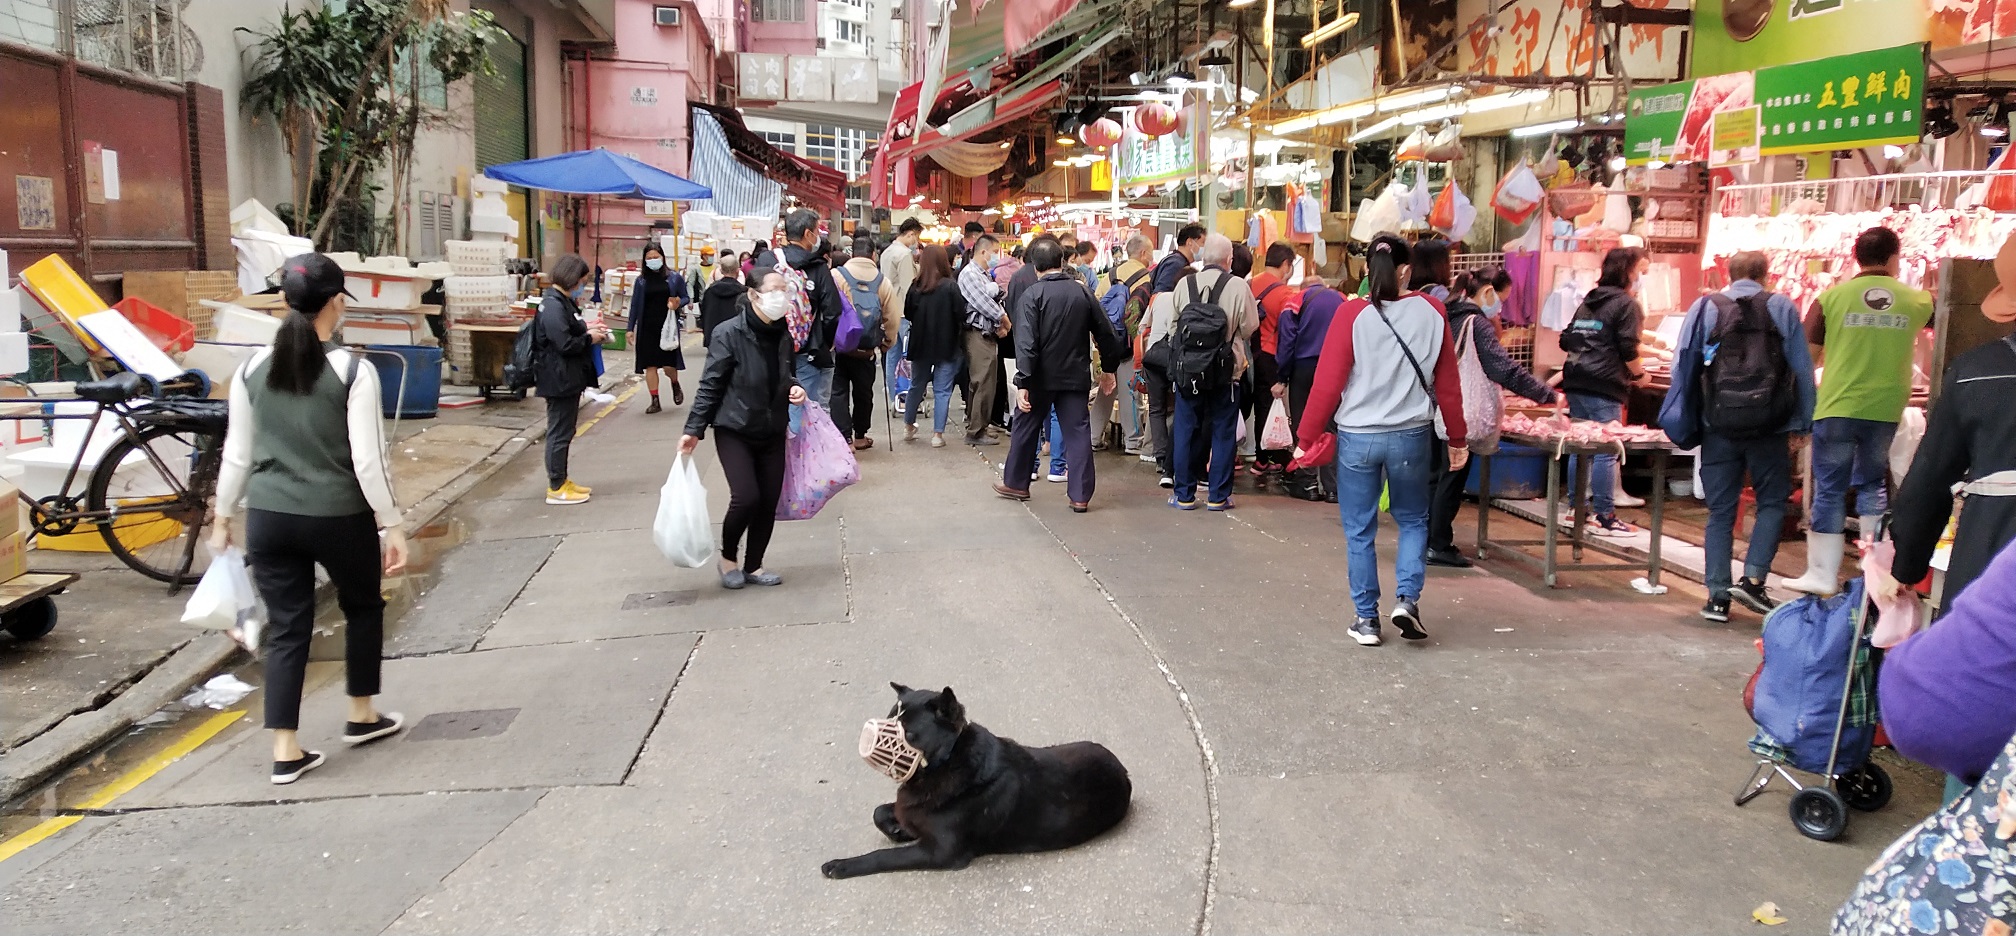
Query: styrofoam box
[392, 293]
[13, 352]
[478, 184]
[493, 224]
[244, 326]
[10, 308]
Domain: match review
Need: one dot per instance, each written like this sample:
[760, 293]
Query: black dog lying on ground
[976, 794]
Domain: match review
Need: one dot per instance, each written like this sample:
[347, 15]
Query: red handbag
[1322, 453]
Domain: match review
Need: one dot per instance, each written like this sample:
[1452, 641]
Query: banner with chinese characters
[1746, 35]
[1144, 160]
[1734, 138]
[1843, 102]
[1864, 99]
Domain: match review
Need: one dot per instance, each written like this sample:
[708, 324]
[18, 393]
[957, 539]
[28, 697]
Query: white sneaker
[937, 440]
[910, 433]
[1057, 478]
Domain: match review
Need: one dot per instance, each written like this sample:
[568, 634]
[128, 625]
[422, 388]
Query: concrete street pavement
[603, 743]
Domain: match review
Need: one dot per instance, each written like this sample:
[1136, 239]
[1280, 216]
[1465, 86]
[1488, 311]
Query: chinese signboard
[762, 76]
[1864, 99]
[1745, 35]
[1733, 138]
[1143, 160]
[1560, 37]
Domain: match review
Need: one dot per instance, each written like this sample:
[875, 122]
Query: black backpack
[1202, 358]
[519, 373]
[1746, 385]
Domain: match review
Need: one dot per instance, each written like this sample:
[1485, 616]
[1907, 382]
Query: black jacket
[563, 364]
[1498, 365]
[746, 387]
[719, 304]
[824, 294]
[1056, 324]
[937, 323]
[1968, 435]
[1601, 343]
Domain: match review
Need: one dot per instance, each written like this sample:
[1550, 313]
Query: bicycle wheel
[152, 515]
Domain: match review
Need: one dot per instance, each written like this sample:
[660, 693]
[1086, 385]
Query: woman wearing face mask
[658, 295]
[564, 366]
[1602, 347]
[745, 394]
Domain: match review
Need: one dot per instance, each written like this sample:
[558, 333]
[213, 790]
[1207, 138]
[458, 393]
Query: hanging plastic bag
[1466, 218]
[1550, 161]
[1380, 215]
[1617, 212]
[1240, 435]
[2001, 188]
[1899, 613]
[225, 599]
[1518, 194]
[1442, 217]
[1418, 203]
[1414, 148]
[1446, 145]
[1277, 434]
[818, 463]
[682, 531]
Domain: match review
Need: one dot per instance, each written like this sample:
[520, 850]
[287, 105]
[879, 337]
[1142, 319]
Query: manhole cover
[664, 599]
[458, 726]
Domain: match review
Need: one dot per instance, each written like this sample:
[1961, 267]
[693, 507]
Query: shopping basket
[1814, 702]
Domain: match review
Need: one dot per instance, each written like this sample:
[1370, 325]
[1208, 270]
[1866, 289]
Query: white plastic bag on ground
[224, 599]
[682, 531]
[1277, 433]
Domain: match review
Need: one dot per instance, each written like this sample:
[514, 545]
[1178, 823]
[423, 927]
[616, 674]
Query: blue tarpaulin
[598, 172]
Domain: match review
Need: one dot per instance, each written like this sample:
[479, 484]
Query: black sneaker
[1717, 610]
[1448, 558]
[1407, 617]
[388, 723]
[1750, 593]
[288, 771]
[1366, 632]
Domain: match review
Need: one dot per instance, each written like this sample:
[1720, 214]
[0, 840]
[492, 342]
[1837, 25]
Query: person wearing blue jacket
[1298, 342]
[1724, 461]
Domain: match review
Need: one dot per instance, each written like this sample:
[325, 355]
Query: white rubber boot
[1868, 527]
[1823, 565]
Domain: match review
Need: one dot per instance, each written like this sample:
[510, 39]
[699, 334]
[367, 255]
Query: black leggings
[755, 472]
[283, 550]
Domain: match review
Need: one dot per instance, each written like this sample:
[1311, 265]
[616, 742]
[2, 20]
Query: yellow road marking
[621, 398]
[124, 784]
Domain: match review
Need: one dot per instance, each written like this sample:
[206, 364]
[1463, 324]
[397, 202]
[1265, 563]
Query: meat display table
[1578, 536]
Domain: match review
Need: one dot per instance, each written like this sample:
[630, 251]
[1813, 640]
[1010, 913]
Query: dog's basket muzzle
[885, 748]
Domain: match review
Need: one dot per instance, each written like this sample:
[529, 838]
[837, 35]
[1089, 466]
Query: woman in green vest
[305, 457]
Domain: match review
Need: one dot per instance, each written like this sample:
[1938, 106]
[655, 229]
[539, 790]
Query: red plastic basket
[168, 331]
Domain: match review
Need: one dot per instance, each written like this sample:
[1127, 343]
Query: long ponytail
[1383, 261]
[298, 360]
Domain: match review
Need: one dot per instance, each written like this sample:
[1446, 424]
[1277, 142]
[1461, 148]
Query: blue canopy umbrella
[599, 172]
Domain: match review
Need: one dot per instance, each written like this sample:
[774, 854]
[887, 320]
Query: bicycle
[155, 479]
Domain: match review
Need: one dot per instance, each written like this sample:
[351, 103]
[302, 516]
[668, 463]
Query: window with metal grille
[777, 11]
[32, 22]
[142, 36]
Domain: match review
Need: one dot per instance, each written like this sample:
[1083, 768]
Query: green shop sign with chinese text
[1843, 102]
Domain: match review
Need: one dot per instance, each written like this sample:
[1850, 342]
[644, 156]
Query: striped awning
[738, 190]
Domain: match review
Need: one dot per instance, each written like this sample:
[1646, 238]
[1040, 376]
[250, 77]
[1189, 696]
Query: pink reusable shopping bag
[818, 462]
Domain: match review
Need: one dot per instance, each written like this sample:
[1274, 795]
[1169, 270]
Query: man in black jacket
[1056, 323]
[805, 251]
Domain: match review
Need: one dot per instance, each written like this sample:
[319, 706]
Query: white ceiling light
[1554, 126]
[1330, 29]
[1325, 117]
[1376, 129]
[1406, 99]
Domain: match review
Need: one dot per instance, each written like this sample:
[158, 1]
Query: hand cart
[489, 351]
[28, 603]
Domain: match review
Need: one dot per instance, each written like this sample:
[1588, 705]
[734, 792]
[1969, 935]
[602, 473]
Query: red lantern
[1155, 119]
[1101, 132]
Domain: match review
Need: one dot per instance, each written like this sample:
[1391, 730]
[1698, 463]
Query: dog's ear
[949, 708]
[900, 688]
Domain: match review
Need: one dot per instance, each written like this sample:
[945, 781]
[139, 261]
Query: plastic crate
[479, 290]
[167, 331]
[477, 258]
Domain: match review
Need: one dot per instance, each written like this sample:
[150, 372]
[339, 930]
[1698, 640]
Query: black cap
[310, 281]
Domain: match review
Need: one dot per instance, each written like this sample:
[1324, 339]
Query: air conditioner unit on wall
[665, 15]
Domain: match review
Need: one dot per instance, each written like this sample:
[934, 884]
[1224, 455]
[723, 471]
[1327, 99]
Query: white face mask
[887, 749]
[772, 306]
[654, 263]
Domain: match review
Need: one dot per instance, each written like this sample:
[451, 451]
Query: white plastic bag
[1379, 215]
[668, 334]
[1419, 201]
[1446, 145]
[1277, 433]
[225, 599]
[682, 532]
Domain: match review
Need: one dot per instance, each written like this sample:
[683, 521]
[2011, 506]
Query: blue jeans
[1849, 454]
[1057, 464]
[1723, 464]
[1399, 463]
[1603, 468]
[940, 377]
[1205, 424]
[817, 382]
[893, 356]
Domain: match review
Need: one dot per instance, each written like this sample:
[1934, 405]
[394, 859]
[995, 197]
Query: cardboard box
[10, 512]
[13, 556]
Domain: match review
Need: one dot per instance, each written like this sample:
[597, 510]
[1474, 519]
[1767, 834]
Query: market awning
[818, 186]
[988, 114]
[598, 172]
